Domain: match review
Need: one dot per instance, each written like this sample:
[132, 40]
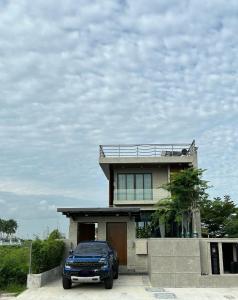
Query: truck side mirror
[71, 252]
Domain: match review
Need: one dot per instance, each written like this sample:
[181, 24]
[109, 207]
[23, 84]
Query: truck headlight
[103, 261]
[67, 266]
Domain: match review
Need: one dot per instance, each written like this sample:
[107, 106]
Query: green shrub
[55, 235]
[46, 255]
[143, 232]
[13, 265]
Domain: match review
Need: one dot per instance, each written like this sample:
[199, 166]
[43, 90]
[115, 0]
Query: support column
[73, 232]
[102, 230]
[111, 186]
[220, 258]
[209, 259]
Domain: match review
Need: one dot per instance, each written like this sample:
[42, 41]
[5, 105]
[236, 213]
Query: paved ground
[127, 287]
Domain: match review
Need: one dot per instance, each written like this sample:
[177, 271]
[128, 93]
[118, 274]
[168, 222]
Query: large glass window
[134, 186]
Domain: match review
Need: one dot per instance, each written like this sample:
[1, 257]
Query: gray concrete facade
[39, 280]
[174, 262]
[187, 263]
[106, 161]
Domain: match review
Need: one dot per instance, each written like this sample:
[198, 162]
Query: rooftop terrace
[147, 150]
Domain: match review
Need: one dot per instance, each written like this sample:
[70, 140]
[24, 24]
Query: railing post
[172, 150]
[119, 151]
[102, 154]
[137, 151]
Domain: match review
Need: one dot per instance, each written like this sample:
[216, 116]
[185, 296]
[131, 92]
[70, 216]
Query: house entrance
[117, 237]
[86, 232]
[229, 251]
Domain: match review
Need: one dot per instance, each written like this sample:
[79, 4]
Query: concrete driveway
[127, 287]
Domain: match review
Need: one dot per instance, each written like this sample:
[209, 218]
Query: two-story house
[136, 175]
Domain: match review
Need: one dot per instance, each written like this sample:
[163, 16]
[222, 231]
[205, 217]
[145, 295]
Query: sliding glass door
[137, 186]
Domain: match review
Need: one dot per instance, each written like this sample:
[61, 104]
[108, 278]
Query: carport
[116, 225]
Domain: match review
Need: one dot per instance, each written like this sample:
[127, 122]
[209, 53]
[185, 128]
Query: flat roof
[99, 211]
[141, 154]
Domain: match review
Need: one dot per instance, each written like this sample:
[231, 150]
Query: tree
[231, 226]
[8, 227]
[55, 234]
[217, 216]
[188, 192]
[1, 227]
[11, 226]
[162, 215]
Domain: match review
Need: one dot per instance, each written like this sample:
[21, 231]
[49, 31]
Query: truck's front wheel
[108, 283]
[67, 283]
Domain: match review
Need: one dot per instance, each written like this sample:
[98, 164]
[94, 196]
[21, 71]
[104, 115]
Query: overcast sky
[76, 73]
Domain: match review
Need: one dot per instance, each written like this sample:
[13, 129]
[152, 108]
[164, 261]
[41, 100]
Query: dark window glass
[147, 187]
[134, 186]
[121, 187]
[139, 186]
[130, 187]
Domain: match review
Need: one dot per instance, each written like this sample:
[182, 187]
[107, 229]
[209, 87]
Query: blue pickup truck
[91, 261]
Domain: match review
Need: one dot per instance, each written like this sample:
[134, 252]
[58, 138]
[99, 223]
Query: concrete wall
[174, 262]
[184, 262]
[105, 162]
[39, 280]
[206, 254]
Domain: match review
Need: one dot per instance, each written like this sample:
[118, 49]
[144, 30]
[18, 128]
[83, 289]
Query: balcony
[146, 154]
[137, 196]
[146, 150]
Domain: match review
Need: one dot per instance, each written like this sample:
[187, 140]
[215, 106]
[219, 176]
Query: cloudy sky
[76, 73]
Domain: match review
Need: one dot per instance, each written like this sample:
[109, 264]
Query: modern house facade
[136, 173]
[136, 176]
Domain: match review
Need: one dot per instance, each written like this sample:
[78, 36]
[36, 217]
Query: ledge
[38, 280]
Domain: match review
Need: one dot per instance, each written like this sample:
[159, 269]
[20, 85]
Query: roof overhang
[106, 162]
[100, 212]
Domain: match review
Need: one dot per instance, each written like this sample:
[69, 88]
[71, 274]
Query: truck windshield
[91, 249]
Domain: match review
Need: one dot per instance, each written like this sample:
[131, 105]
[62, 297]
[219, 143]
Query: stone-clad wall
[174, 262]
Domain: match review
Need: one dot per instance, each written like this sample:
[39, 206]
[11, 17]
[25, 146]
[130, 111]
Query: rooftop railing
[147, 150]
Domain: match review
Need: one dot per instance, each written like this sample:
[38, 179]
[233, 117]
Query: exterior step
[124, 271]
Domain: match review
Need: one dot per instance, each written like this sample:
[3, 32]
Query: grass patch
[13, 288]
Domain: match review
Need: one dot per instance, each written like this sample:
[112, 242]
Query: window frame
[134, 185]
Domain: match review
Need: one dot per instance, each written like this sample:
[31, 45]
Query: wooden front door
[117, 237]
[86, 232]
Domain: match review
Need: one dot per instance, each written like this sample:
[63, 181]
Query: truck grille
[86, 264]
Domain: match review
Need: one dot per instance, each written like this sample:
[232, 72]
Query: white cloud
[75, 74]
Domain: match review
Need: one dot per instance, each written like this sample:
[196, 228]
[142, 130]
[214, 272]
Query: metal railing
[147, 150]
[140, 194]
